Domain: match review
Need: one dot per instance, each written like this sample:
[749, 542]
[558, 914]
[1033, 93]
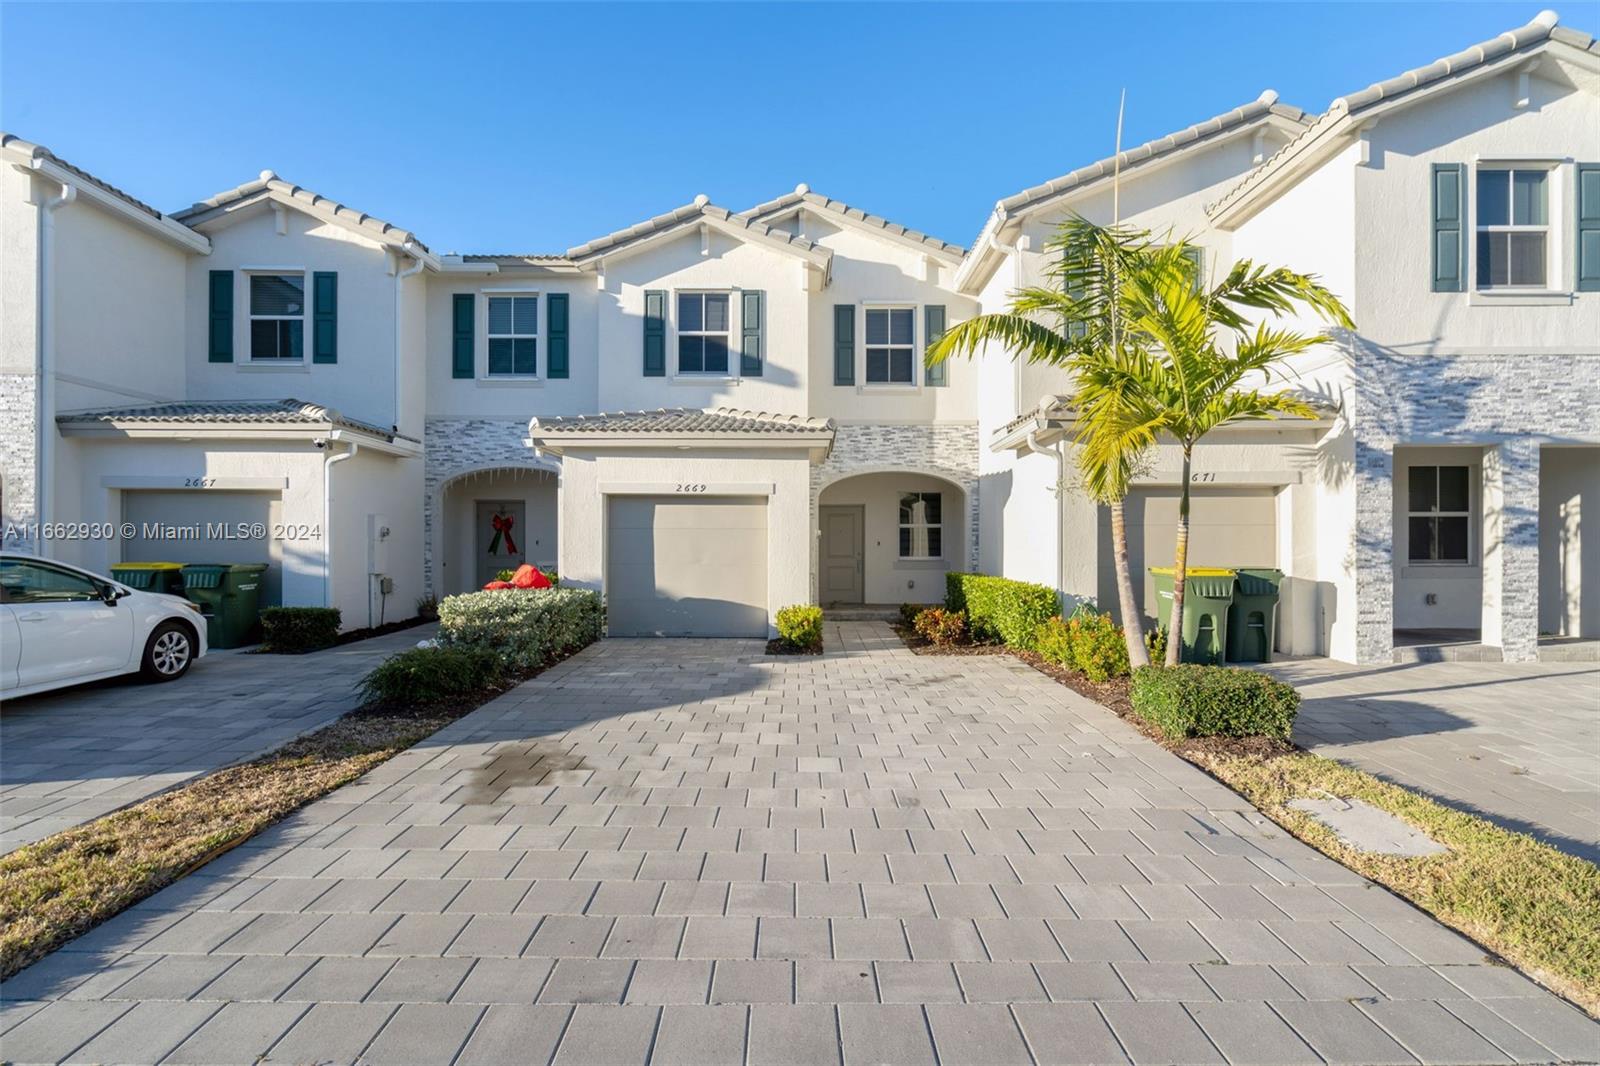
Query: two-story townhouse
[1456, 210]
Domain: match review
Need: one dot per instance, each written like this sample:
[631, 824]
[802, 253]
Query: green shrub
[1155, 642]
[428, 608]
[939, 626]
[999, 609]
[800, 626]
[1214, 701]
[909, 612]
[433, 674]
[505, 573]
[1051, 641]
[526, 627]
[1099, 647]
[291, 630]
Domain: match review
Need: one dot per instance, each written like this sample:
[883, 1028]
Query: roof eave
[820, 258]
[164, 226]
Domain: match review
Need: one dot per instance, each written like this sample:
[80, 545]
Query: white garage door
[202, 526]
[1227, 527]
[686, 567]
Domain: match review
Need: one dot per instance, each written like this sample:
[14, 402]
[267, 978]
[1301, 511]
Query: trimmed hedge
[1193, 700]
[292, 630]
[800, 625]
[999, 609]
[526, 627]
[433, 674]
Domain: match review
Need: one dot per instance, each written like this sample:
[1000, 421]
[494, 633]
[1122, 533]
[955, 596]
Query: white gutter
[44, 465]
[1061, 476]
[164, 226]
[399, 282]
[327, 516]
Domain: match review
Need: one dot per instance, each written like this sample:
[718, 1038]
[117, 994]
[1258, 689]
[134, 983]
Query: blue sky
[533, 127]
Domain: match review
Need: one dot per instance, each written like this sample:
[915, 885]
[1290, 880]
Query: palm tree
[1206, 365]
[1089, 277]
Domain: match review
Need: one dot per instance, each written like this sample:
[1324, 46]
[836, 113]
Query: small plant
[941, 627]
[800, 626]
[504, 574]
[909, 612]
[1052, 640]
[428, 608]
[422, 676]
[1192, 700]
[1155, 642]
[292, 630]
[1099, 648]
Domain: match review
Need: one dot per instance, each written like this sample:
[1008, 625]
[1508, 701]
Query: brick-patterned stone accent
[457, 446]
[1511, 403]
[18, 439]
[947, 451]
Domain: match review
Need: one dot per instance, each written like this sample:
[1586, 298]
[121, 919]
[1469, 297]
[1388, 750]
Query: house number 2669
[691, 487]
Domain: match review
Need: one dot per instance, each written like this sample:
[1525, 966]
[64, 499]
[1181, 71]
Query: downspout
[1061, 476]
[44, 465]
[327, 516]
[399, 281]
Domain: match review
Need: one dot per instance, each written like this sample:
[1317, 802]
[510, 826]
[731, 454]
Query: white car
[60, 625]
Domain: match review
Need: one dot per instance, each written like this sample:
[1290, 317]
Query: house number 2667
[691, 487]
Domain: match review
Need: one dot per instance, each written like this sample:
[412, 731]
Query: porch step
[1448, 653]
[861, 612]
[1569, 650]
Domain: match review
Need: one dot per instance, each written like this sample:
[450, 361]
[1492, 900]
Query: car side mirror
[110, 594]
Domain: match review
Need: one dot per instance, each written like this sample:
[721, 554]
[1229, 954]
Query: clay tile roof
[226, 412]
[39, 151]
[269, 182]
[699, 208]
[682, 420]
[803, 194]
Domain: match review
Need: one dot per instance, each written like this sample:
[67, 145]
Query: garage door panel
[686, 567]
[149, 510]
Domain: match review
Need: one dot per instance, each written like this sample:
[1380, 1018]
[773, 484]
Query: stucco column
[1511, 548]
[1373, 552]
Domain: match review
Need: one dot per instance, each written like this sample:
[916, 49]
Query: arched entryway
[888, 536]
[493, 519]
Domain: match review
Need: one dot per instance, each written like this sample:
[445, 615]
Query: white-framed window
[513, 334]
[703, 332]
[1512, 219]
[1439, 514]
[277, 316]
[891, 346]
[921, 525]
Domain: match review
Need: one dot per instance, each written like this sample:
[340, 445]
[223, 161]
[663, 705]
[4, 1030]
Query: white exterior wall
[1569, 485]
[887, 578]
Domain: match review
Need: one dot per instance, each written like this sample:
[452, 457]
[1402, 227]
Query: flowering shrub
[800, 626]
[1086, 641]
[526, 627]
[939, 626]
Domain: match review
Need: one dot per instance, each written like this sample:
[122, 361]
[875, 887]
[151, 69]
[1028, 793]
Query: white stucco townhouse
[715, 413]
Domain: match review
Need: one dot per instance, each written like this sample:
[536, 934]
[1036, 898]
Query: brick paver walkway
[1518, 743]
[688, 852]
[70, 756]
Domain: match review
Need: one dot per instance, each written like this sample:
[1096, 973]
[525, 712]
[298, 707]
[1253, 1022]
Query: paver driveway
[70, 756]
[689, 852]
[1518, 743]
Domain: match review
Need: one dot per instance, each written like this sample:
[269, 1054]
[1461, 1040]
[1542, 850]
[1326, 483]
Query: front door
[843, 549]
[501, 530]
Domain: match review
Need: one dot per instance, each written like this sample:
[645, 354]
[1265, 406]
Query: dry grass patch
[1531, 903]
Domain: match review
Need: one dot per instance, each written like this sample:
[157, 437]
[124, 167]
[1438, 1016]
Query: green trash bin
[151, 577]
[1207, 592]
[229, 596]
[1251, 620]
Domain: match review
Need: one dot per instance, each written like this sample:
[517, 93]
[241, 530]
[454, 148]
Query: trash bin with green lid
[1251, 618]
[229, 596]
[1207, 592]
[151, 577]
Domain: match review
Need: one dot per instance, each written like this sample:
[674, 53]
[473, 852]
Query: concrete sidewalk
[690, 852]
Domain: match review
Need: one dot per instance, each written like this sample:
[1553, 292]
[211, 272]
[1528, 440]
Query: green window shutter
[752, 322]
[463, 355]
[655, 333]
[556, 325]
[933, 319]
[1588, 227]
[1449, 230]
[844, 344]
[220, 345]
[325, 317]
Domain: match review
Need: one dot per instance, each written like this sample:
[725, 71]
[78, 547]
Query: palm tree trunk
[1132, 623]
[1180, 565]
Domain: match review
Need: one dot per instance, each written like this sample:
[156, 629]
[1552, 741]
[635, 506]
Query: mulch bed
[922, 646]
[779, 646]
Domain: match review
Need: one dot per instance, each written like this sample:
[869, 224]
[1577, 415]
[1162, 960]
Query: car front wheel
[169, 652]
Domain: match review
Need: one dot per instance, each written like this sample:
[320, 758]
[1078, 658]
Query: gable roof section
[296, 414]
[700, 212]
[38, 158]
[838, 210]
[1345, 115]
[711, 427]
[271, 187]
[1264, 109]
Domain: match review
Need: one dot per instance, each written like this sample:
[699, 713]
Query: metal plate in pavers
[1361, 825]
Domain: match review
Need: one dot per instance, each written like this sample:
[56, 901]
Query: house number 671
[1202, 477]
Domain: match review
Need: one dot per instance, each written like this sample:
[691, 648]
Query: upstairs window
[891, 346]
[702, 333]
[1440, 513]
[921, 525]
[277, 316]
[513, 336]
[1513, 222]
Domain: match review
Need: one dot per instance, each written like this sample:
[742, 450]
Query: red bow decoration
[502, 524]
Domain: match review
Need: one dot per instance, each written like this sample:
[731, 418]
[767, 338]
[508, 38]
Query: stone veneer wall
[457, 446]
[1510, 403]
[18, 440]
[948, 451]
